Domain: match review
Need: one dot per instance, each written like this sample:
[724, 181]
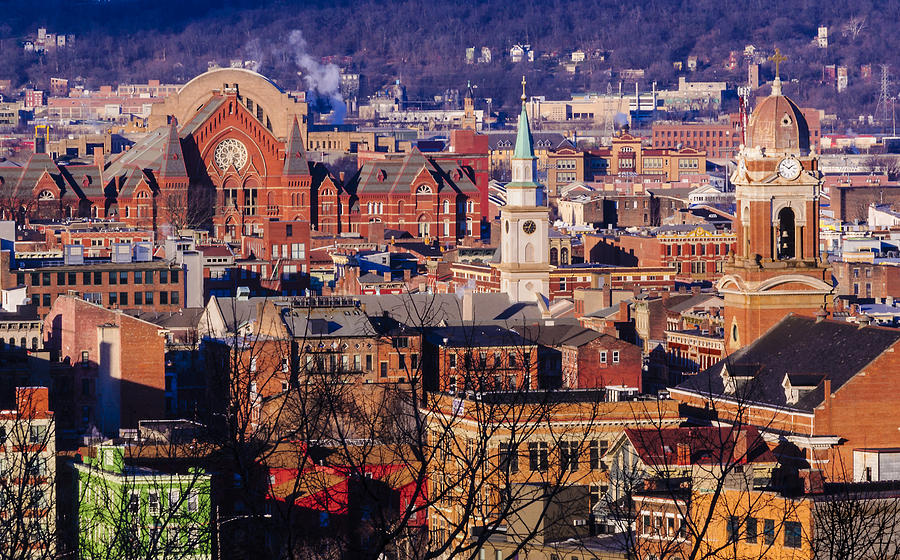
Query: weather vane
[777, 58]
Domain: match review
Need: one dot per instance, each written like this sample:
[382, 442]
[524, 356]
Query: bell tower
[777, 268]
[525, 243]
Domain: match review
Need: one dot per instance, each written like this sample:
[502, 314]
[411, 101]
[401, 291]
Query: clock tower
[524, 245]
[777, 268]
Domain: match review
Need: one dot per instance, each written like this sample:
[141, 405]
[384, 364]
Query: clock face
[789, 168]
[230, 152]
[529, 227]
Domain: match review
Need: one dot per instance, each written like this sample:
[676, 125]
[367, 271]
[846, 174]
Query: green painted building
[126, 511]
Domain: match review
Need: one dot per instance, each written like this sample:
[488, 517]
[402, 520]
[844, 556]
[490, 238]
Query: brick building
[573, 357]
[828, 385]
[718, 140]
[96, 238]
[144, 285]
[479, 358]
[114, 367]
[627, 156]
[426, 196]
[879, 279]
[694, 253]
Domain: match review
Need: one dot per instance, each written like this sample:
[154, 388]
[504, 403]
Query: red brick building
[114, 366]
[879, 280]
[142, 285]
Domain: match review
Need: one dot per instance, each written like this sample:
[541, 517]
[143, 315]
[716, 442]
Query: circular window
[231, 152]
[529, 227]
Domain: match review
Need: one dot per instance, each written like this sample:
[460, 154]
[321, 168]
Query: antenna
[884, 98]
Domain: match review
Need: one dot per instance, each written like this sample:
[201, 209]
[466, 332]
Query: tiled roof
[295, 156]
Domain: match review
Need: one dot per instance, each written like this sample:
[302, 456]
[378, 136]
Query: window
[123, 298]
[60, 278]
[793, 534]
[113, 298]
[512, 361]
[452, 359]
[164, 298]
[153, 503]
[174, 276]
[568, 455]
[413, 362]
[113, 277]
[768, 531]
[163, 276]
[538, 456]
[368, 362]
[36, 434]
[72, 278]
[134, 503]
[384, 369]
[85, 356]
[148, 298]
[148, 277]
[598, 449]
[509, 457]
[139, 298]
[734, 528]
[85, 278]
[603, 356]
[615, 356]
[174, 298]
[193, 502]
[751, 530]
[123, 277]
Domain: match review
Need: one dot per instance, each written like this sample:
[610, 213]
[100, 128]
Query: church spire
[524, 142]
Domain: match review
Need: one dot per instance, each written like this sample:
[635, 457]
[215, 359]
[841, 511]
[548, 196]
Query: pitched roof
[397, 174]
[294, 155]
[524, 141]
[171, 165]
[703, 445]
[560, 335]
[797, 345]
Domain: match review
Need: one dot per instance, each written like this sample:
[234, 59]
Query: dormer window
[796, 386]
[381, 176]
[786, 120]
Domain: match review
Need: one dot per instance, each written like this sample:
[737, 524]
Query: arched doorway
[787, 248]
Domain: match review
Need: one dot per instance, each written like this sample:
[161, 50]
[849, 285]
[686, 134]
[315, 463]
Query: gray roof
[797, 345]
[397, 174]
[560, 335]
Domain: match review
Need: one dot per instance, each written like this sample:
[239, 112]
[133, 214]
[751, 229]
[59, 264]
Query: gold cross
[777, 58]
[523, 89]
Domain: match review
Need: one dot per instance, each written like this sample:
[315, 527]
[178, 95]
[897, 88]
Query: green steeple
[524, 142]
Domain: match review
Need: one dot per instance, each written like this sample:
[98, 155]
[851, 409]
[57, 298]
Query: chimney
[863, 321]
[695, 290]
[341, 176]
[407, 274]
[387, 276]
[624, 311]
[813, 481]
[821, 315]
[468, 307]
[683, 453]
[98, 157]
[32, 401]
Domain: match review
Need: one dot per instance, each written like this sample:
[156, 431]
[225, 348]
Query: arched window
[786, 236]
[423, 226]
[564, 255]
[34, 343]
[423, 189]
[400, 208]
[446, 206]
[46, 195]
[529, 252]
[554, 256]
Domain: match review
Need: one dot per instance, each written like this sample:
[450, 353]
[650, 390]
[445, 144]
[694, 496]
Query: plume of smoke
[323, 81]
[254, 52]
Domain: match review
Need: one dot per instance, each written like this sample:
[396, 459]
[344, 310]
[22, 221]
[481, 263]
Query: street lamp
[220, 522]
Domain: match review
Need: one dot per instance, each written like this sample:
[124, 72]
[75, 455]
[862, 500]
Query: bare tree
[28, 478]
[187, 209]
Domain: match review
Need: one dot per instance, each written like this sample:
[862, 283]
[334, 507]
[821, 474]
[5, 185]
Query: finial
[523, 89]
[777, 58]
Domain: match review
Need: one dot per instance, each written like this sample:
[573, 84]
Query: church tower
[524, 246]
[776, 268]
[470, 121]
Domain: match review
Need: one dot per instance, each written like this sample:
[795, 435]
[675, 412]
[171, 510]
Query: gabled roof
[706, 445]
[398, 173]
[560, 335]
[796, 345]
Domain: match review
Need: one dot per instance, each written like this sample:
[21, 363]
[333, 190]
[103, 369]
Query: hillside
[424, 43]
